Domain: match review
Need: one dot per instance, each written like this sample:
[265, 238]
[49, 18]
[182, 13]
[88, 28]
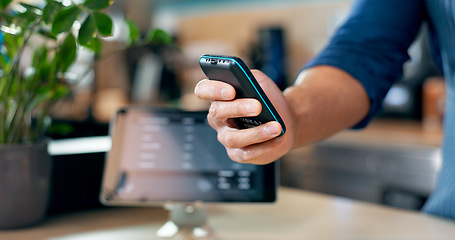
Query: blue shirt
[372, 47]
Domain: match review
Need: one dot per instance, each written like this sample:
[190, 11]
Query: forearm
[323, 101]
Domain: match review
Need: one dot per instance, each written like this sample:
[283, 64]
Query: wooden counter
[296, 215]
[393, 131]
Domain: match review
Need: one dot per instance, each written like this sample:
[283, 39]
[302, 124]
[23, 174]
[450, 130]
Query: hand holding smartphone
[234, 71]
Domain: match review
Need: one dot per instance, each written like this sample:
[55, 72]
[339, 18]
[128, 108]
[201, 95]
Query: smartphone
[234, 71]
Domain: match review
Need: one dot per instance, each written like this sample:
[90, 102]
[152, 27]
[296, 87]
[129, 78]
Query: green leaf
[60, 91]
[7, 17]
[3, 81]
[5, 64]
[13, 88]
[40, 98]
[46, 33]
[53, 68]
[4, 3]
[41, 67]
[40, 57]
[64, 19]
[159, 36]
[98, 4]
[104, 23]
[67, 53]
[51, 10]
[39, 77]
[135, 33]
[95, 45]
[87, 32]
[43, 72]
[11, 44]
[60, 129]
[25, 19]
[30, 7]
[43, 90]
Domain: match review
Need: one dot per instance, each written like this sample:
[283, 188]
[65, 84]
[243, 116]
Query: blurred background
[393, 162]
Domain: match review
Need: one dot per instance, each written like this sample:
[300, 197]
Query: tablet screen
[161, 154]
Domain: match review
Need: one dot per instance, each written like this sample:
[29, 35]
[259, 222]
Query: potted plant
[40, 43]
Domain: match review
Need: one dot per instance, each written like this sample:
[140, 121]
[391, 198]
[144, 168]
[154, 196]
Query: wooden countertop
[296, 215]
[395, 131]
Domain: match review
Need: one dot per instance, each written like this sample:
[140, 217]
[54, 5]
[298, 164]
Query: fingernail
[273, 129]
[249, 108]
[225, 93]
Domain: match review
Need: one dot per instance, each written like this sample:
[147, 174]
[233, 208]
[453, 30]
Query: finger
[217, 123]
[262, 78]
[233, 139]
[245, 107]
[220, 123]
[214, 90]
[258, 154]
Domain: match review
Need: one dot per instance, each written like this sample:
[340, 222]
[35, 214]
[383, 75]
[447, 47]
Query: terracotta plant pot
[25, 171]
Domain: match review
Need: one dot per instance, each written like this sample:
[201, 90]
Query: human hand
[258, 145]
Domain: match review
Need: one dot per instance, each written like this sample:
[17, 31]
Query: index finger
[214, 90]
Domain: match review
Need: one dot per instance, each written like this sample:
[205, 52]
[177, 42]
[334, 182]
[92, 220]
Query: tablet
[161, 155]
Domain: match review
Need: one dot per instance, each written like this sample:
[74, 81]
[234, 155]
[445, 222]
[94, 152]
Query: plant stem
[16, 135]
[2, 124]
[15, 123]
[21, 111]
[40, 120]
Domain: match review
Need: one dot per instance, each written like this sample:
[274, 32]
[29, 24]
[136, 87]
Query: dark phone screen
[234, 71]
[229, 71]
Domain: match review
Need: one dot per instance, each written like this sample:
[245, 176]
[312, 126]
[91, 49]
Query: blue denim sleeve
[372, 45]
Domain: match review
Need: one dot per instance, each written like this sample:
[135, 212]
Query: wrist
[296, 109]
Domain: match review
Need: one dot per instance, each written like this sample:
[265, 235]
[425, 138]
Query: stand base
[193, 216]
[170, 229]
